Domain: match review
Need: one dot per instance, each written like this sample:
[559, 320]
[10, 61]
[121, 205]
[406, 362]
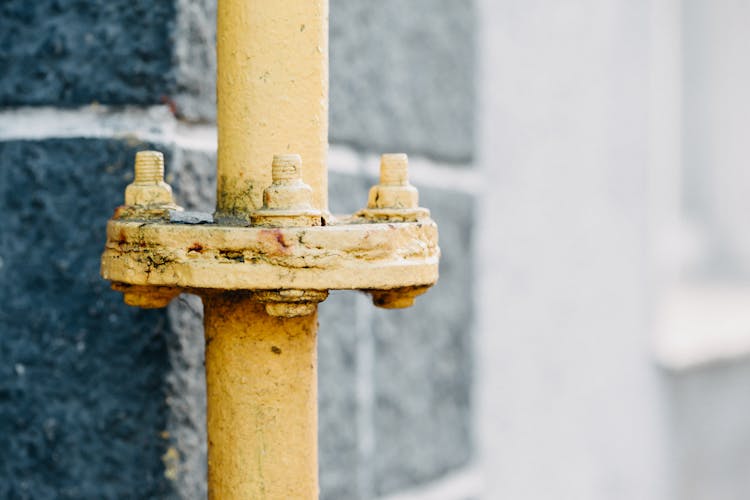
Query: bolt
[394, 170]
[148, 192]
[286, 168]
[394, 191]
[149, 167]
[397, 298]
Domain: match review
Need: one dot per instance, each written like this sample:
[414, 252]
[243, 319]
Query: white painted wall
[570, 401]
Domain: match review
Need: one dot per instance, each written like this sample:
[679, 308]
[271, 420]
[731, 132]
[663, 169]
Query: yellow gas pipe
[271, 251]
[261, 371]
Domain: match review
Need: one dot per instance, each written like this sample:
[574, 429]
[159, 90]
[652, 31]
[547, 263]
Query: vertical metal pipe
[262, 402]
[261, 371]
[272, 94]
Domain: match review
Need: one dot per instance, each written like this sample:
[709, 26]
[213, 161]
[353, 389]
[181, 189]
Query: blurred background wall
[613, 294]
[585, 161]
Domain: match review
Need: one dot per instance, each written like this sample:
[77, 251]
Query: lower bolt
[397, 298]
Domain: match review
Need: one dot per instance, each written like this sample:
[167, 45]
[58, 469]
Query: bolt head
[149, 195]
[146, 297]
[397, 298]
[290, 303]
[397, 197]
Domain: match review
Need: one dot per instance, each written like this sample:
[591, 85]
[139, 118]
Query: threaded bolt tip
[394, 169]
[286, 167]
[149, 167]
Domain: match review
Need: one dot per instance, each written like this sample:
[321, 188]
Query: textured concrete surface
[423, 363]
[402, 73]
[192, 175]
[78, 52]
[185, 459]
[402, 76]
[82, 406]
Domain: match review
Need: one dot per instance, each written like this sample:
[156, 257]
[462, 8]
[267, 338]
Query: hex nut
[146, 297]
[290, 303]
[148, 196]
[393, 199]
[397, 298]
[287, 202]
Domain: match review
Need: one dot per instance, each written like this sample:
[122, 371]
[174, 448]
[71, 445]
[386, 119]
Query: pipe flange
[397, 298]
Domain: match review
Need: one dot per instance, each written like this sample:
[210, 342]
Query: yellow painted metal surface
[207, 256]
[272, 93]
[262, 402]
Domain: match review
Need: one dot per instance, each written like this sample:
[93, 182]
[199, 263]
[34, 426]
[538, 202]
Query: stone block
[82, 407]
[78, 52]
[195, 59]
[192, 174]
[402, 76]
[185, 460]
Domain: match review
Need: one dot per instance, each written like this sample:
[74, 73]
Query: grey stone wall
[66, 53]
[98, 400]
[82, 408]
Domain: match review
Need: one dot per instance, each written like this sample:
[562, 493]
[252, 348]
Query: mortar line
[156, 124]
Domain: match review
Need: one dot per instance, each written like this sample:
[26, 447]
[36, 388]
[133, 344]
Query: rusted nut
[287, 202]
[397, 298]
[146, 297]
[290, 303]
[148, 196]
[394, 199]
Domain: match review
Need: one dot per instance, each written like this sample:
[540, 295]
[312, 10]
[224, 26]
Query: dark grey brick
[82, 405]
[186, 398]
[423, 370]
[195, 57]
[402, 76]
[80, 51]
[192, 175]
